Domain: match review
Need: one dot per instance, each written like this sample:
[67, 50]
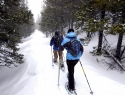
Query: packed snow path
[40, 78]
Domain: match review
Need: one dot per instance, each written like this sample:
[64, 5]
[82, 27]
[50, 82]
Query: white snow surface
[37, 76]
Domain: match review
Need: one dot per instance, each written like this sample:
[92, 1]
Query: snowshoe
[62, 67]
[55, 62]
[69, 91]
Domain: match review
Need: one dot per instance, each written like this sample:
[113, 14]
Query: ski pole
[58, 72]
[63, 69]
[63, 57]
[86, 78]
[52, 56]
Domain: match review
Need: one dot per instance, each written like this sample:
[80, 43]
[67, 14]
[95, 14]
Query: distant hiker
[74, 51]
[57, 48]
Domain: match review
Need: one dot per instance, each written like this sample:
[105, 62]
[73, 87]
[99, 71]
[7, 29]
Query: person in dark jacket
[57, 48]
[70, 59]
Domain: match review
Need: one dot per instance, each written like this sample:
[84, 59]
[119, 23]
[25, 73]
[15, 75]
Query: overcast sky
[35, 6]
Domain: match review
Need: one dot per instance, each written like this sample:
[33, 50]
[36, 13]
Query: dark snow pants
[71, 64]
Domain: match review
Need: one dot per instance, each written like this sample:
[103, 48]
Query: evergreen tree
[92, 16]
[12, 16]
[61, 15]
[118, 24]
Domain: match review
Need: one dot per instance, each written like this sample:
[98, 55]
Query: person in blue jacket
[70, 59]
[57, 48]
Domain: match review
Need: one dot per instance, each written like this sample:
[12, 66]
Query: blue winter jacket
[65, 44]
[52, 43]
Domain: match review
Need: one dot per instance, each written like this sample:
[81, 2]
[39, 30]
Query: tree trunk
[69, 23]
[119, 44]
[100, 41]
[72, 20]
[122, 52]
[101, 34]
[88, 34]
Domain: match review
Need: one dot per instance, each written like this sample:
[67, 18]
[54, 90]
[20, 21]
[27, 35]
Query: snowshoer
[74, 51]
[57, 48]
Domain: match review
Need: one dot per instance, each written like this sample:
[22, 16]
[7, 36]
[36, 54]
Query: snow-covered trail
[41, 78]
[45, 75]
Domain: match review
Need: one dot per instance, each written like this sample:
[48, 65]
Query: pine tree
[57, 15]
[118, 11]
[12, 15]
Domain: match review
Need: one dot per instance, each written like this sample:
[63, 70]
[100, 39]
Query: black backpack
[74, 47]
[57, 41]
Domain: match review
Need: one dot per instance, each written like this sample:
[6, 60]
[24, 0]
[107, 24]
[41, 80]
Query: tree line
[16, 21]
[90, 16]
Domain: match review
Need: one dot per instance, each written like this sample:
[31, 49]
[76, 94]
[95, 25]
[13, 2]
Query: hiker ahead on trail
[74, 51]
[57, 48]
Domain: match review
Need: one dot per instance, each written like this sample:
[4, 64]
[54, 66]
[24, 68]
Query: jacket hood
[71, 34]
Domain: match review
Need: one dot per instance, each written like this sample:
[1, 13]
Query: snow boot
[69, 91]
[55, 61]
[62, 67]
